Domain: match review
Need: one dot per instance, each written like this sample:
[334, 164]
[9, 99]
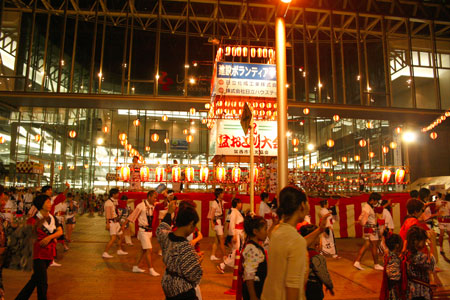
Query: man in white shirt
[369, 222]
[144, 214]
[112, 223]
[235, 229]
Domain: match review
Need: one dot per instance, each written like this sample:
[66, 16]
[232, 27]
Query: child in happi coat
[253, 265]
[419, 265]
[391, 287]
[318, 274]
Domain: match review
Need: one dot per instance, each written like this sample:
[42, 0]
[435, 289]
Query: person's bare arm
[322, 225]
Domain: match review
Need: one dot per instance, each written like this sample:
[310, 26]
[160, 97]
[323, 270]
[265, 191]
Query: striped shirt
[183, 269]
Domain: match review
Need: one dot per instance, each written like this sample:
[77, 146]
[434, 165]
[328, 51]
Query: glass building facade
[85, 65]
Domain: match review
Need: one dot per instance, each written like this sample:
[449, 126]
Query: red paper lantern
[129, 147]
[344, 159]
[204, 172]
[2, 140]
[371, 154]
[398, 130]
[362, 143]
[72, 134]
[385, 149]
[105, 129]
[236, 174]
[336, 118]
[386, 176]
[164, 118]
[37, 138]
[155, 137]
[295, 142]
[330, 143]
[136, 122]
[357, 158]
[147, 148]
[189, 138]
[176, 174]
[306, 111]
[399, 175]
[145, 173]
[159, 173]
[220, 174]
[255, 174]
[189, 172]
[122, 136]
[124, 173]
[393, 145]
[433, 135]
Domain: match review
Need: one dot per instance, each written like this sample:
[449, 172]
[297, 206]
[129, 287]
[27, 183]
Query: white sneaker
[213, 257]
[153, 272]
[106, 255]
[136, 269]
[358, 265]
[378, 267]
[55, 264]
[121, 252]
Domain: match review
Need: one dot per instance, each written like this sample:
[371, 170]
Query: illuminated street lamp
[280, 45]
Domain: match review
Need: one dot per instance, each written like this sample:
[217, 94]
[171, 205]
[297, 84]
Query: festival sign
[228, 138]
[241, 79]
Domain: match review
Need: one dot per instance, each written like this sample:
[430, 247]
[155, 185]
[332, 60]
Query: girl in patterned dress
[391, 288]
[419, 264]
[253, 268]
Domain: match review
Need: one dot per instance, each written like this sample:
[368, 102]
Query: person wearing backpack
[318, 272]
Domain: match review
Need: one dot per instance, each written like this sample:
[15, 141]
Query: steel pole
[280, 44]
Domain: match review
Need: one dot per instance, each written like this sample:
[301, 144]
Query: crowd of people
[282, 255]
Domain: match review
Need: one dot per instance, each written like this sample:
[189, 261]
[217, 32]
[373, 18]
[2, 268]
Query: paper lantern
[295, 142]
[344, 159]
[190, 138]
[369, 125]
[433, 135]
[100, 163]
[136, 122]
[164, 118]
[60, 167]
[192, 111]
[185, 131]
[371, 154]
[72, 134]
[2, 139]
[236, 174]
[204, 121]
[385, 149]
[144, 173]
[330, 143]
[122, 136]
[393, 145]
[189, 174]
[306, 111]
[166, 140]
[399, 175]
[37, 138]
[124, 173]
[204, 172]
[295, 149]
[155, 137]
[336, 118]
[86, 166]
[72, 168]
[176, 174]
[159, 173]
[207, 106]
[398, 130]
[147, 148]
[129, 147]
[255, 174]
[362, 143]
[220, 174]
[105, 129]
[385, 175]
[334, 163]
[357, 158]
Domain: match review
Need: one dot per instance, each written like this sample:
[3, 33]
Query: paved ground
[85, 275]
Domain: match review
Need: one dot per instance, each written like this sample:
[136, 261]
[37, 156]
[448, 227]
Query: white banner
[228, 138]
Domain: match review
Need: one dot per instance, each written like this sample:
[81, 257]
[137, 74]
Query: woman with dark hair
[48, 230]
[288, 259]
[183, 270]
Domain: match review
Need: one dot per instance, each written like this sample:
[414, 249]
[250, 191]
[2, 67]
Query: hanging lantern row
[244, 51]
[399, 176]
[262, 109]
[437, 122]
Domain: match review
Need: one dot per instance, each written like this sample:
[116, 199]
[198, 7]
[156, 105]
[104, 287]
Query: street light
[409, 137]
[280, 47]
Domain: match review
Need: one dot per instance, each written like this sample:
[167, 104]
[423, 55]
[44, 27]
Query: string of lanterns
[436, 123]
